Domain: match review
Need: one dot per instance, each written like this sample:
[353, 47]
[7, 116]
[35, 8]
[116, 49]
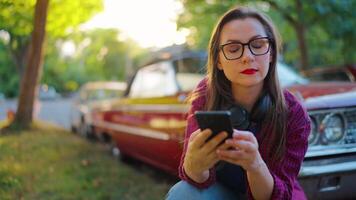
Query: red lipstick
[249, 71]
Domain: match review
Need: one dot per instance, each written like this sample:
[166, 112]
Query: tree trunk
[19, 54]
[300, 32]
[32, 72]
[299, 27]
[303, 49]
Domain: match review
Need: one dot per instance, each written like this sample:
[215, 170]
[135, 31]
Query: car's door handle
[329, 183]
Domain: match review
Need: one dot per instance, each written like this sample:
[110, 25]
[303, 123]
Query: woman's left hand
[242, 150]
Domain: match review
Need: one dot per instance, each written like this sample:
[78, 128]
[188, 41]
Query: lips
[249, 71]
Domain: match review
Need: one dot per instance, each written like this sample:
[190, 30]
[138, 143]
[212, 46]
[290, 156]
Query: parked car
[89, 96]
[332, 73]
[149, 122]
[47, 92]
[329, 168]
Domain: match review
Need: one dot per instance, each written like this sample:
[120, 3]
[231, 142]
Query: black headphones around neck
[242, 120]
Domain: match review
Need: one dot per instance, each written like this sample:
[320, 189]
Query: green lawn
[51, 163]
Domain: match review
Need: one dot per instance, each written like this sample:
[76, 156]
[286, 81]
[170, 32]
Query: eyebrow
[254, 37]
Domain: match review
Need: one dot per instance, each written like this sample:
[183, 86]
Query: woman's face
[248, 70]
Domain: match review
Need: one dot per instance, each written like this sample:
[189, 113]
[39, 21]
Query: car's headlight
[333, 128]
[313, 136]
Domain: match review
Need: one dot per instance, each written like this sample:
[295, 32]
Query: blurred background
[90, 51]
[108, 40]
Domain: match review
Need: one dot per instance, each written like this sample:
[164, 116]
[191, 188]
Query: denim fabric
[185, 191]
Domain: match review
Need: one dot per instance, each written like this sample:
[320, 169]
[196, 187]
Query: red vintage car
[149, 123]
[345, 72]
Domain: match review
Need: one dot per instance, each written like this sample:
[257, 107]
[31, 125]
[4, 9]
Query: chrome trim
[316, 151]
[325, 111]
[152, 108]
[320, 116]
[327, 169]
[133, 130]
[315, 123]
[325, 122]
[349, 75]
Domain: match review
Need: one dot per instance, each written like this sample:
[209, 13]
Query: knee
[183, 190]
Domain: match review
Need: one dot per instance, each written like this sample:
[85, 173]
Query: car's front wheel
[115, 151]
[73, 129]
[82, 129]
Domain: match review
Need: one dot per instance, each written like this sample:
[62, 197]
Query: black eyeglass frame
[270, 42]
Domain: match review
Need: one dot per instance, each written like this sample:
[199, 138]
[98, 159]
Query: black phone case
[217, 121]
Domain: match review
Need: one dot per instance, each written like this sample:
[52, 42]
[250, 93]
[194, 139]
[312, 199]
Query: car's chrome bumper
[321, 170]
[327, 180]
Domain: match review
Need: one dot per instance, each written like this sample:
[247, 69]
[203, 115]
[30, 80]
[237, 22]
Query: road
[55, 111]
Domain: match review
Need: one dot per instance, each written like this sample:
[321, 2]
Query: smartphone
[217, 121]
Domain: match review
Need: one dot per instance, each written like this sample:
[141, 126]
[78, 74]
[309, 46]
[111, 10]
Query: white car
[90, 95]
[47, 93]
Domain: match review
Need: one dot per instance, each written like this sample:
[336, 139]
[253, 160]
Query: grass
[50, 163]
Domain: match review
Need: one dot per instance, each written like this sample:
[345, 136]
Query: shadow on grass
[140, 167]
[156, 174]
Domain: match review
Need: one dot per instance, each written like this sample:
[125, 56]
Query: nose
[247, 54]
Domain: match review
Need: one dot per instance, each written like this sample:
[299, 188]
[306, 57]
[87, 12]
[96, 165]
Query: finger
[243, 145]
[225, 146]
[201, 137]
[231, 154]
[213, 158]
[194, 134]
[192, 138]
[214, 142]
[244, 135]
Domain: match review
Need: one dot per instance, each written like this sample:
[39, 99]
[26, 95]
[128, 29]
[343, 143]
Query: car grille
[326, 137]
[351, 126]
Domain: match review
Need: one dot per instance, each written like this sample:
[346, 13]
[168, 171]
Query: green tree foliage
[337, 21]
[8, 75]
[200, 17]
[328, 26]
[97, 54]
[16, 20]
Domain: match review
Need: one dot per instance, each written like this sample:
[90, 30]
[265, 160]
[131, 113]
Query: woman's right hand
[201, 155]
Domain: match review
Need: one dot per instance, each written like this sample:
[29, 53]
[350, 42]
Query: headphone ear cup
[239, 117]
[260, 109]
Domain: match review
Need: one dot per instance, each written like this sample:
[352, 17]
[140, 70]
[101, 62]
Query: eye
[232, 48]
[258, 43]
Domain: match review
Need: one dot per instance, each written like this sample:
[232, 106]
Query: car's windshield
[189, 71]
[288, 77]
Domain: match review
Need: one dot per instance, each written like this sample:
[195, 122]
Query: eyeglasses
[235, 50]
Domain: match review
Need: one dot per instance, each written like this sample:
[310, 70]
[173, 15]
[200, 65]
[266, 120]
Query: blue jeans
[185, 191]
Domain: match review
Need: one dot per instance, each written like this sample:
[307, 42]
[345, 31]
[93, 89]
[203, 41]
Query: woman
[263, 161]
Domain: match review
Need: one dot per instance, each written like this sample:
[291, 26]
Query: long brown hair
[219, 87]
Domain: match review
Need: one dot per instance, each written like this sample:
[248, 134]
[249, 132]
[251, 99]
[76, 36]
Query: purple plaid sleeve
[191, 127]
[285, 172]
